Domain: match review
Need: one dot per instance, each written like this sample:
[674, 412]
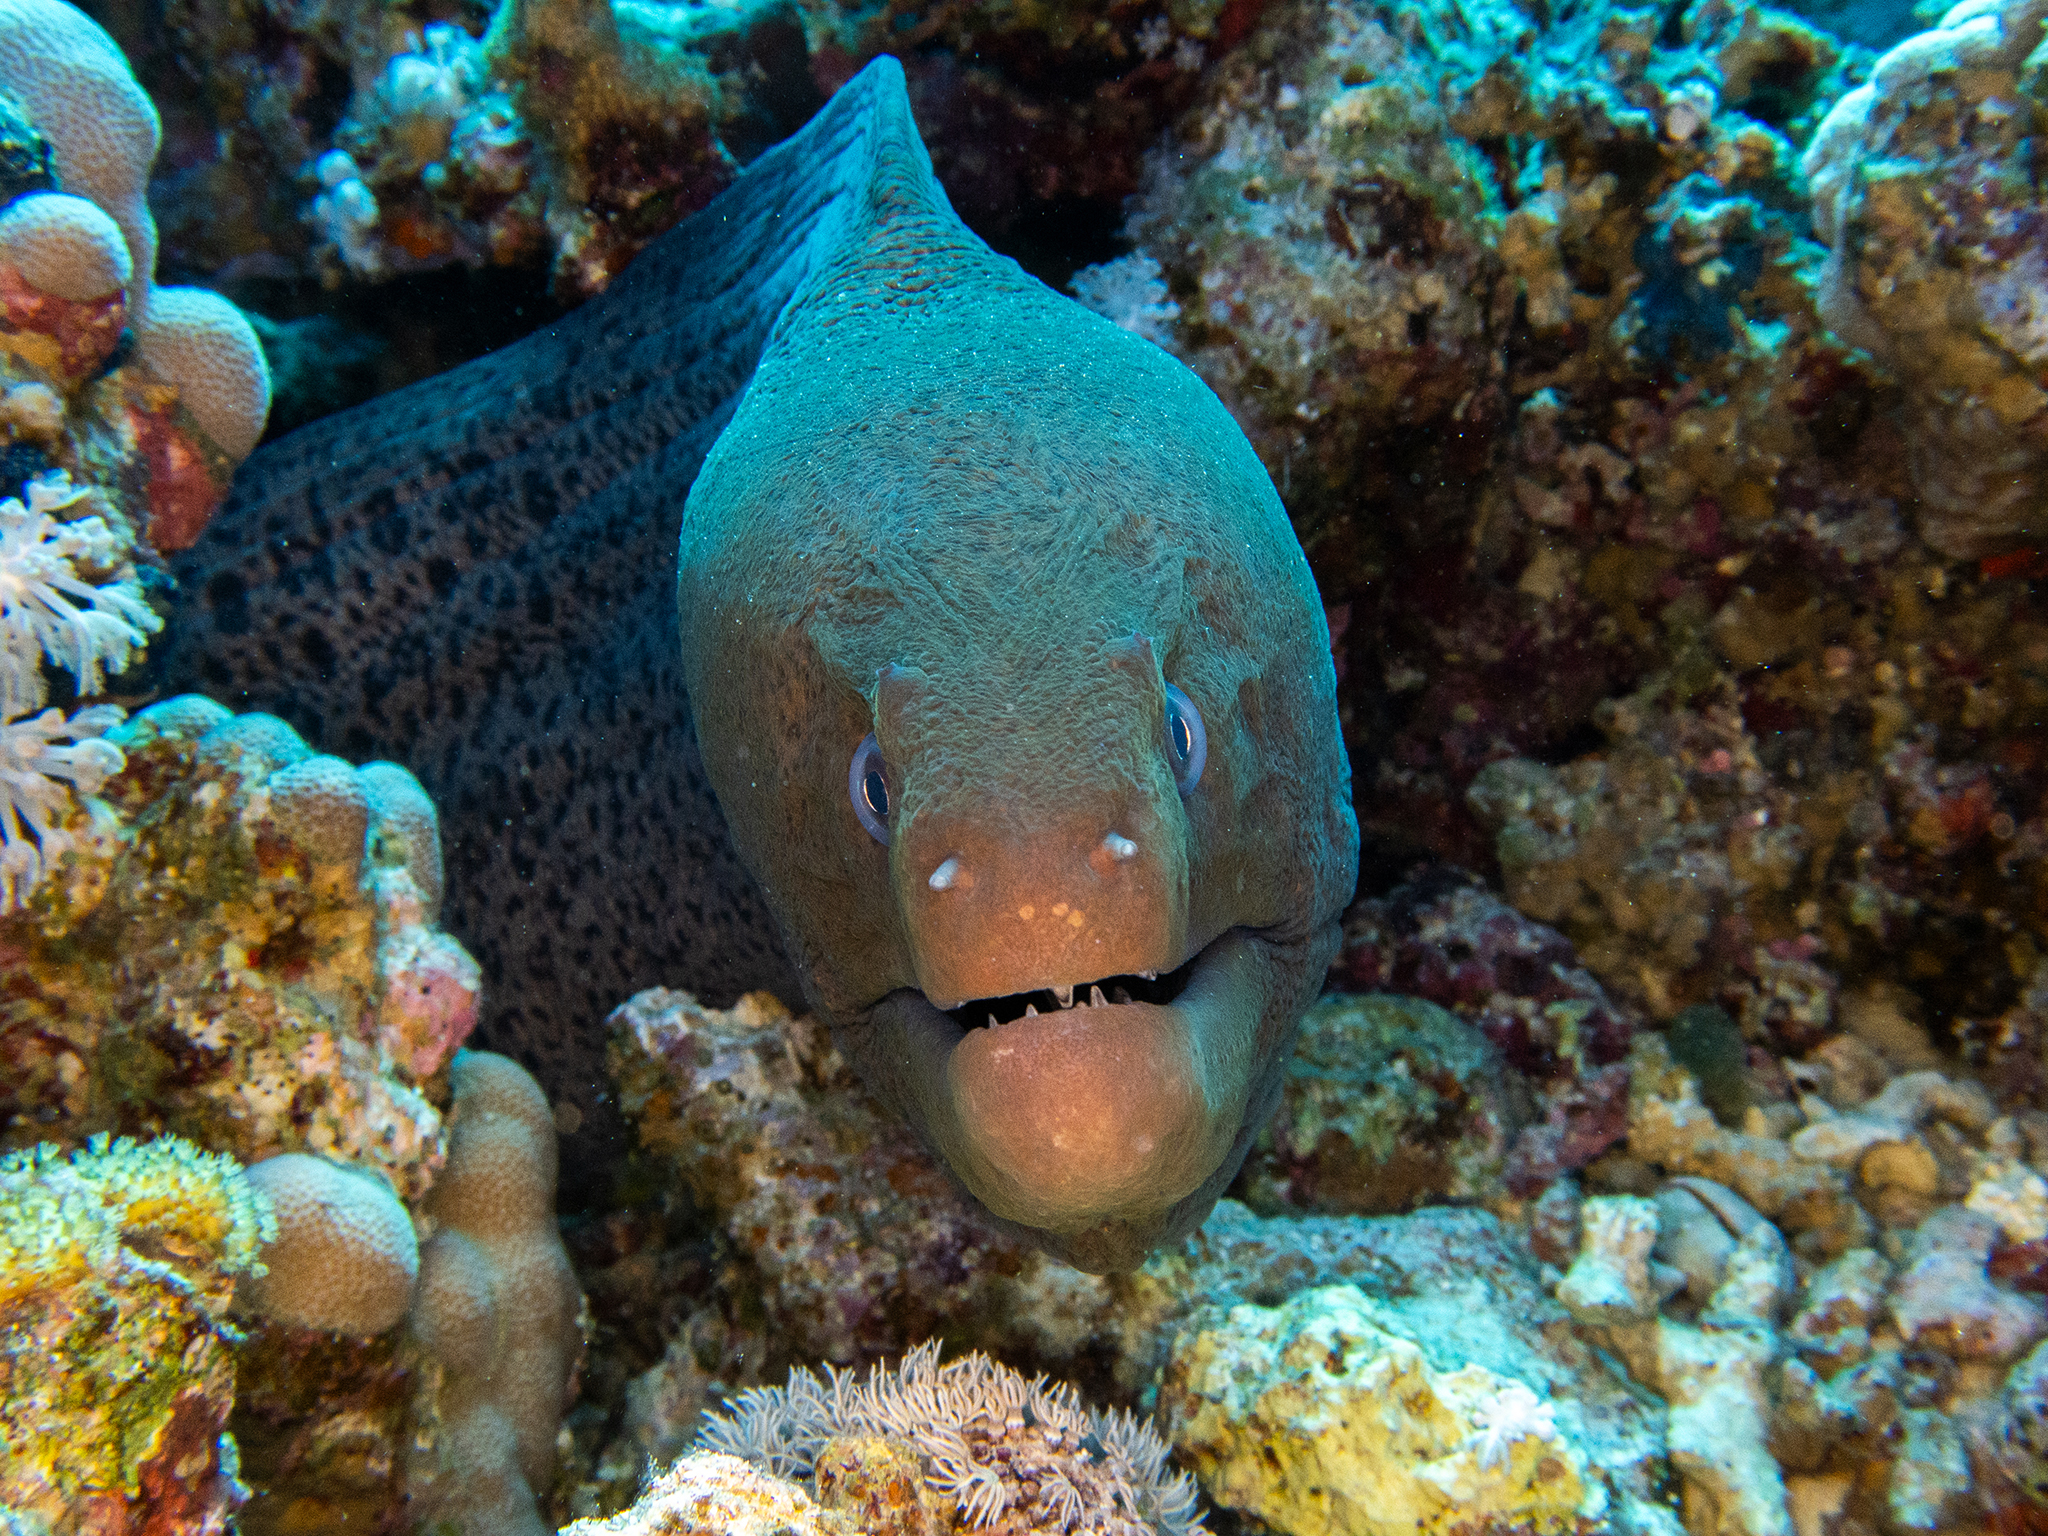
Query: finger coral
[497, 1319]
[233, 946]
[116, 1376]
[1009, 1454]
[344, 1258]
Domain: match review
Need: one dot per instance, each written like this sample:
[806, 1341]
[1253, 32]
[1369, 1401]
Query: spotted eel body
[927, 500]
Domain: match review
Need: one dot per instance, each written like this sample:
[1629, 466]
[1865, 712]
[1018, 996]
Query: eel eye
[867, 786]
[1187, 742]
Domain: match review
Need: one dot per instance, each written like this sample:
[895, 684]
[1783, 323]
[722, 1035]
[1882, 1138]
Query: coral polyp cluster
[1006, 1452]
[117, 1265]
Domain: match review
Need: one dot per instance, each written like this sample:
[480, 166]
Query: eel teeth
[1149, 975]
[1120, 995]
[1095, 997]
[992, 1021]
[1030, 1010]
[1065, 996]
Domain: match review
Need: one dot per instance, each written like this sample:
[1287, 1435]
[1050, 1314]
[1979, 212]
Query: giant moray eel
[1001, 674]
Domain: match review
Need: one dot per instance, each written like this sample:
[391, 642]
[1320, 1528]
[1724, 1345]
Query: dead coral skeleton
[995, 1442]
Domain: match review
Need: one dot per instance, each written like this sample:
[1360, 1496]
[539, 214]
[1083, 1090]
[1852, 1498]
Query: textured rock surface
[232, 953]
[1390, 1103]
[116, 1373]
[1936, 265]
[1314, 1417]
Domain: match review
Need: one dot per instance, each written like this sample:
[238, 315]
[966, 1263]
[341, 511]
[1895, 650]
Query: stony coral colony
[1659, 395]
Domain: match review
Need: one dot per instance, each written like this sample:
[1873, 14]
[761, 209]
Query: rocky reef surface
[1661, 395]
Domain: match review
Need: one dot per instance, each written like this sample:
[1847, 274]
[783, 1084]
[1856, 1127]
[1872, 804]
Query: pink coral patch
[429, 1002]
[181, 488]
[85, 332]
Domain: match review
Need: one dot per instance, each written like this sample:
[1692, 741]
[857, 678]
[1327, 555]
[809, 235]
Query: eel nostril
[947, 874]
[1119, 847]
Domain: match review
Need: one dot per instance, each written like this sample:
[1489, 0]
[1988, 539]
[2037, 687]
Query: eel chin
[1087, 1123]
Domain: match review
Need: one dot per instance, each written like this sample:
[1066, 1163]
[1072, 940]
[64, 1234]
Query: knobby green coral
[117, 1263]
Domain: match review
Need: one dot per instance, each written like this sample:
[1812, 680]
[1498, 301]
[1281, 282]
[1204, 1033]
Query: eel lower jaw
[1071, 1119]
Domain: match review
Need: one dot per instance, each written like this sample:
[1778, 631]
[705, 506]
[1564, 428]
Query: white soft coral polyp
[47, 608]
[41, 760]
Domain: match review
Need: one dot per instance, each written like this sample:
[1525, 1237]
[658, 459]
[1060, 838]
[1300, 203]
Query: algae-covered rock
[240, 947]
[1388, 1103]
[117, 1264]
[1315, 1417]
[1456, 1284]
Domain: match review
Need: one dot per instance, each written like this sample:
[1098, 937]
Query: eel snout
[1095, 1118]
[995, 910]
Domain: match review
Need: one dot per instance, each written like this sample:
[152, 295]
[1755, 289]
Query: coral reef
[1445, 938]
[1669, 447]
[345, 1255]
[69, 596]
[236, 946]
[117, 1263]
[1389, 1103]
[1936, 261]
[1314, 1417]
[375, 141]
[1427, 1296]
[851, 1237]
[710, 1494]
[1836, 1300]
[1009, 1454]
[497, 1322]
[157, 426]
[1363, 278]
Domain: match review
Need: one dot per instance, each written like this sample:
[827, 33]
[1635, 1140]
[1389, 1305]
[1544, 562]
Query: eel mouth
[1064, 1109]
[1105, 991]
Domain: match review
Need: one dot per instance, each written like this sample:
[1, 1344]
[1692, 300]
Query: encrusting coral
[157, 429]
[236, 946]
[496, 1320]
[117, 1263]
[1009, 1454]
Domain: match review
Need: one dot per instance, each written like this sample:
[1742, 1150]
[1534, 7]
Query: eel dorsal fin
[474, 576]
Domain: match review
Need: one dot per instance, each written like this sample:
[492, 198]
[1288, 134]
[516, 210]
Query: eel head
[1014, 686]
